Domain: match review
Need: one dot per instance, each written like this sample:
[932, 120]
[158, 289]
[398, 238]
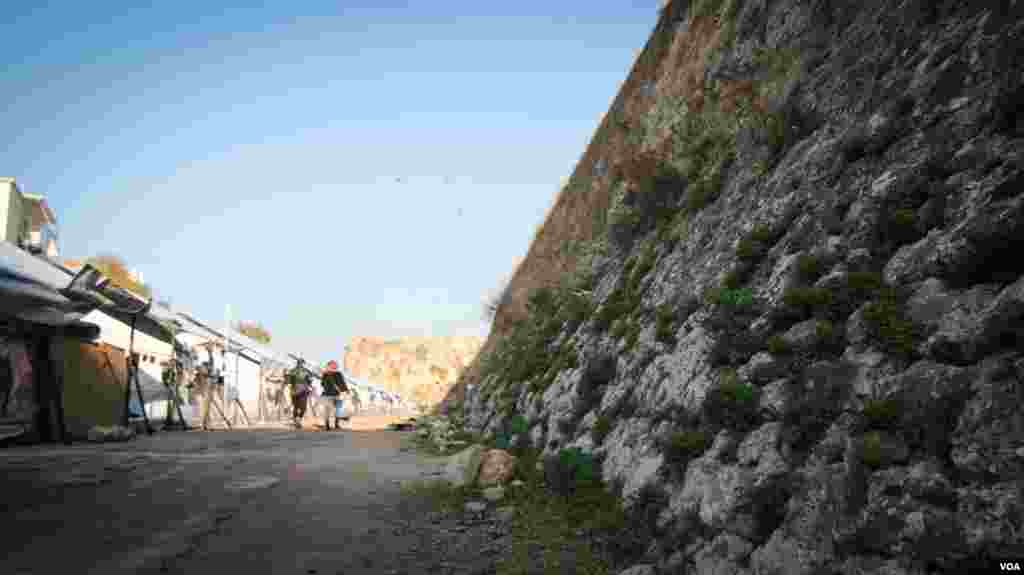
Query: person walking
[202, 390]
[334, 385]
[298, 381]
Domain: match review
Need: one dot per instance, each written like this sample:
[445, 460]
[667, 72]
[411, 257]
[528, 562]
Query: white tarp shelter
[152, 353]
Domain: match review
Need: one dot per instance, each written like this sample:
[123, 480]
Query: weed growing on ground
[569, 470]
[441, 494]
[553, 534]
[441, 435]
[571, 521]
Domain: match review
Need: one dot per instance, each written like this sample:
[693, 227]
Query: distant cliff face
[421, 369]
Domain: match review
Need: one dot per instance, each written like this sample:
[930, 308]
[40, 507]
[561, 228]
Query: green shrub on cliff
[682, 446]
[777, 345]
[619, 213]
[807, 297]
[528, 351]
[888, 324]
[664, 322]
[602, 427]
[881, 413]
[732, 403]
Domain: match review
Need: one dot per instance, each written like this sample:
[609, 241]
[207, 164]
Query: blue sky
[249, 155]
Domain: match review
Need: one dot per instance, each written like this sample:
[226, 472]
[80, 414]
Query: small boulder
[463, 467]
[723, 554]
[763, 368]
[859, 259]
[858, 331]
[803, 335]
[777, 398]
[475, 507]
[496, 467]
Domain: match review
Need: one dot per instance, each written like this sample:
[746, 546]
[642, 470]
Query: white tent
[151, 351]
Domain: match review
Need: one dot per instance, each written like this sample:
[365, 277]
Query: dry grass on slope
[674, 62]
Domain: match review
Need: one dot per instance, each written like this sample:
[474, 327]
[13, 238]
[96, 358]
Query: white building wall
[13, 223]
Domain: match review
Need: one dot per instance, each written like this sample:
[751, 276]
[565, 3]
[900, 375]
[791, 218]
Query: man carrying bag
[334, 386]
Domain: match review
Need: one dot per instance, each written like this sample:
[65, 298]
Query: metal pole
[224, 355]
[238, 398]
[259, 400]
[125, 421]
[133, 375]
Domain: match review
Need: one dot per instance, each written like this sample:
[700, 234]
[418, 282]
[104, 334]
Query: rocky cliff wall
[421, 369]
[795, 335]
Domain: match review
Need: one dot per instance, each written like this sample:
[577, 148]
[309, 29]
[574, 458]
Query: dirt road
[252, 502]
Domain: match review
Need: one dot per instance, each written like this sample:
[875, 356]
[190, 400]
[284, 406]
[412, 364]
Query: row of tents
[65, 339]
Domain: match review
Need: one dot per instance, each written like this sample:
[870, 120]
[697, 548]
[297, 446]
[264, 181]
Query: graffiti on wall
[17, 397]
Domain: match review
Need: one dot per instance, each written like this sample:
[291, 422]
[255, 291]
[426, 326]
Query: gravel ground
[266, 501]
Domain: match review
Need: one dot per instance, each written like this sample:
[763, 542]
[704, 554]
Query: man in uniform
[171, 375]
[300, 386]
[201, 389]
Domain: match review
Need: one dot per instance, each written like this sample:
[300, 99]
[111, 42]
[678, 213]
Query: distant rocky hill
[422, 369]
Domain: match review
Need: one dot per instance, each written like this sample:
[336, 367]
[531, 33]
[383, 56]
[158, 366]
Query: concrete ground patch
[255, 502]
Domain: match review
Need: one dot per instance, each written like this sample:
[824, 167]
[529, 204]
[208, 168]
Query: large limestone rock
[889, 440]
[420, 369]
